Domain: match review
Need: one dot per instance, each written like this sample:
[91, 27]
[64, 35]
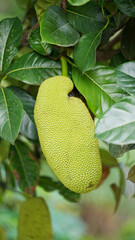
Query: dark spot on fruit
[90, 185]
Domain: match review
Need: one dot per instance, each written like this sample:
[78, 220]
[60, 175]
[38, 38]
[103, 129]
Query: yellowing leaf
[131, 174]
[34, 221]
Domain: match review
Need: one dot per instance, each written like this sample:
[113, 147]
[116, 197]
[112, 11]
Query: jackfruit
[34, 220]
[66, 134]
[2, 234]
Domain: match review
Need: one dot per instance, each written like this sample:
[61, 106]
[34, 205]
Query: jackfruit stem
[64, 66]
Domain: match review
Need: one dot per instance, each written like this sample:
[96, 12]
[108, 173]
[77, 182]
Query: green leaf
[25, 166]
[117, 194]
[24, 4]
[55, 28]
[117, 125]
[118, 190]
[28, 127]
[36, 43]
[131, 174]
[126, 6]
[10, 36]
[125, 76]
[99, 88]
[34, 220]
[42, 5]
[33, 68]
[11, 113]
[128, 40]
[86, 18]
[68, 194]
[4, 149]
[116, 60]
[118, 150]
[85, 51]
[78, 2]
[107, 159]
[49, 185]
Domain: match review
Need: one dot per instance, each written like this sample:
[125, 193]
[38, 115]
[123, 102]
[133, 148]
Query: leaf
[85, 51]
[24, 4]
[86, 18]
[36, 43]
[4, 149]
[117, 125]
[126, 6]
[68, 194]
[55, 28]
[49, 185]
[11, 113]
[131, 174]
[117, 194]
[42, 5]
[2, 234]
[34, 220]
[128, 40]
[116, 60]
[107, 159]
[33, 68]
[125, 76]
[118, 150]
[78, 2]
[10, 36]
[28, 127]
[118, 190]
[25, 167]
[99, 88]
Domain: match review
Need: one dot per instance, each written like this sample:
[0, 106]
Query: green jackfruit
[34, 221]
[66, 134]
[2, 234]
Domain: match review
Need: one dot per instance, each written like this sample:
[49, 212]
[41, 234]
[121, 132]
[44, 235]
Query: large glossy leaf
[86, 18]
[11, 113]
[28, 128]
[125, 76]
[36, 43]
[117, 125]
[42, 5]
[99, 88]
[85, 51]
[25, 167]
[78, 2]
[10, 36]
[128, 40]
[55, 28]
[126, 6]
[33, 68]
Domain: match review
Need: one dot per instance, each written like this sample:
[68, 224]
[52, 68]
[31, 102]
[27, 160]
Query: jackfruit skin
[2, 234]
[66, 134]
[34, 220]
